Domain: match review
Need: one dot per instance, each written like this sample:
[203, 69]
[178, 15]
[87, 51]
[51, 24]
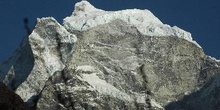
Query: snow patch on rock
[47, 42]
[85, 68]
[213, 58]
[155, 104]
[103, 87]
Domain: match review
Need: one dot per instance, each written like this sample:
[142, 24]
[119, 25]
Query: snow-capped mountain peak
[86, 16]
[112, 60]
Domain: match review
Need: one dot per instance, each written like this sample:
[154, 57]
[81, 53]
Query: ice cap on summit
[86, 16]
[84, 7]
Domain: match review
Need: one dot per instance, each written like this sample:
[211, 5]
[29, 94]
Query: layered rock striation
[112, 60]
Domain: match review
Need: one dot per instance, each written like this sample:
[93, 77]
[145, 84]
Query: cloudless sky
[200, 17]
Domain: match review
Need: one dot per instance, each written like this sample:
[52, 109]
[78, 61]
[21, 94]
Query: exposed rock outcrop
[105, 60]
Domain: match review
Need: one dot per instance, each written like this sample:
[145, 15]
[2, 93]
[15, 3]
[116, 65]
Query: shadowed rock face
[206, 97]
[119, 61]
[9, 100]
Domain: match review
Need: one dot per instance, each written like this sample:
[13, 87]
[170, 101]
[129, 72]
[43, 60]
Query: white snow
[103, 87]
[52, 62]
[155, 104]
[213, 58]
[23, 94]
[86, 16]
[65, 36]
[47, 61]
[85, 68]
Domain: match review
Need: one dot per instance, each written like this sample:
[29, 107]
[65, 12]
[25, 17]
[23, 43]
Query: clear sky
[200, 17]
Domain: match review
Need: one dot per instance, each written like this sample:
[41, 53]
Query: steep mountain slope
[112, 60]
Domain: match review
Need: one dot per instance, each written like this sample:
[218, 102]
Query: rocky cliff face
[105, 60]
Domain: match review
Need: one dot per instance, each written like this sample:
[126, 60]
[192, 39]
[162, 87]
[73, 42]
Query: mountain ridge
[111, 60]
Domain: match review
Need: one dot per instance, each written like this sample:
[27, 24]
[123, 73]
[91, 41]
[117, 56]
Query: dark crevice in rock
[144, 77]
[64, 76]
[58, 40]
[64, 97]
[65, 49]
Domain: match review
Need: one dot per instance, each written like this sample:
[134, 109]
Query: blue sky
[200, 17]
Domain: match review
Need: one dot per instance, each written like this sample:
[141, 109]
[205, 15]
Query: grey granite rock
[102, 60]
[133, 71]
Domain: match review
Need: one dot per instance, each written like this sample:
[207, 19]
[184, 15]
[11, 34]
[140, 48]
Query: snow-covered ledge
[86, 16]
